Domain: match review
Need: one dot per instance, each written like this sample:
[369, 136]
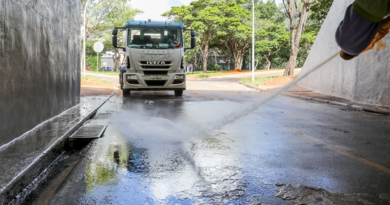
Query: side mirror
[193, 33]
[115, 41]
[115, 32]
[193, 42]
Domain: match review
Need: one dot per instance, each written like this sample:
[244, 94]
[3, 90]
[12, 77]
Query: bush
[216, 67]
[209, 66]
[90, 62]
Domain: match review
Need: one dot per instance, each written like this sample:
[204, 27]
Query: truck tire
[126, 93]
[178, 93]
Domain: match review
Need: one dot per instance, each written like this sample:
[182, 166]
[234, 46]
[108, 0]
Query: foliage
[216, 67]
[297, 14]
[204, 17]
[102, 16]
[215, 19]
[305, 44]
[319, 11]
[235, 34]
[210, 66]
[270, 39]
[221, 25]
[91, 61]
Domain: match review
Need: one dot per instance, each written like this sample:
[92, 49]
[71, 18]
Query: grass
[96, 80]
[258, 80]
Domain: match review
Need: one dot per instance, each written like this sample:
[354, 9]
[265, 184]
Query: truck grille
[166, 65]
[146, 62]
[156, 66]
[155, 82]
[156, 72]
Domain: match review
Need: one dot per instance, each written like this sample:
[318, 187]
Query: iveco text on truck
[154, 56]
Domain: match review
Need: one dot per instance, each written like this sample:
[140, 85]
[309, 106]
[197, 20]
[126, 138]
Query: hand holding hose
[381, 33]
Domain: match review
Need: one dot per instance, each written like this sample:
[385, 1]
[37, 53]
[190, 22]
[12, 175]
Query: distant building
[107, 61]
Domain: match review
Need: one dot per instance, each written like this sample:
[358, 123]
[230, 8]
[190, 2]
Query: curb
[17, 189]
[226, 76]
[252, 87]
[350, 105]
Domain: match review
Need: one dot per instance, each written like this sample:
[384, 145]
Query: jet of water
[234, 116]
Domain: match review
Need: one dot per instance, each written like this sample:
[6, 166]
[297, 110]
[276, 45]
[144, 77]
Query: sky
[154, 8]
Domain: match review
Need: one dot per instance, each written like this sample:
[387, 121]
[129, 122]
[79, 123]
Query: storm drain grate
[89, 132]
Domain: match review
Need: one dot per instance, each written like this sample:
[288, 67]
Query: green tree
[236, 31]
[102, 16]
[318, 12]
[271, 38]
[295, 13]
[204, 17]
[271, 35]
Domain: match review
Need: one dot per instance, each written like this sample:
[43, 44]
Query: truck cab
[154, 57]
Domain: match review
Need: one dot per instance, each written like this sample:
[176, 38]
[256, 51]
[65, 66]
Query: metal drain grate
[89, 132]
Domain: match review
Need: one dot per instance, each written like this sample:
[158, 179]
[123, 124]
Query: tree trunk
[204, 56]
[237, 60]
[204, 53]
[116, 58]
[291, 62]
[268, 62]
[296, 39]
[237, 63]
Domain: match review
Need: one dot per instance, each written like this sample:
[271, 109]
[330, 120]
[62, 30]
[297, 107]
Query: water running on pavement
[160, 131]
[274, 94]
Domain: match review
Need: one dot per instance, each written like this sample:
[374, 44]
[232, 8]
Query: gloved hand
[382, 32]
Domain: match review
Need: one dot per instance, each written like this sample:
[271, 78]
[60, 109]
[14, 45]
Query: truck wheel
[178, 93]
[126, 93]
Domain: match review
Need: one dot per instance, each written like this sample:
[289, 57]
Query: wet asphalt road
[160, 149]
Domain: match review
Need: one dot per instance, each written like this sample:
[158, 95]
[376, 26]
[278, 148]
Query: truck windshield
[154, 38]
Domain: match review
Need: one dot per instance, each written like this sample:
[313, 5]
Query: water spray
[233, 117]
[274, 94]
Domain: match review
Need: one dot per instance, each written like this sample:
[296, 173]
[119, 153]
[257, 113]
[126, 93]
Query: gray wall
[39, 62]
[364, 79]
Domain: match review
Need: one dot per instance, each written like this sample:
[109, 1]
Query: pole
[97, 63]
[105, 58]
[253, 41]
[85, 34]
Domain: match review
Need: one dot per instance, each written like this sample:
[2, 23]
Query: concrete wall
[364, 79]
[39, 62]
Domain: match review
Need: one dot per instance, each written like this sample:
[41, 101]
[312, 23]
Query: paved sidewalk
[26, 157]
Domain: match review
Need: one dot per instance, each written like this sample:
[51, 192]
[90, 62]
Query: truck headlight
[131, 77]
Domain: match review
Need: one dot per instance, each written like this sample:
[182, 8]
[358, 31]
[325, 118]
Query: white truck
[154, 56]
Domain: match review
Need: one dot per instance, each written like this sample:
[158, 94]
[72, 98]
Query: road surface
[202, 149]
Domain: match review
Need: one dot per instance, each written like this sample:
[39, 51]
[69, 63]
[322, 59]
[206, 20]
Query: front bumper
[153, 82]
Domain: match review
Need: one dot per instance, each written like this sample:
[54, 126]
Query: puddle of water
[311, 196]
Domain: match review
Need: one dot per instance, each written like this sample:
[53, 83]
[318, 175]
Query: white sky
[154, 8]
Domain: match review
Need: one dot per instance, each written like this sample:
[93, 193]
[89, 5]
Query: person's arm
[361, 24]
